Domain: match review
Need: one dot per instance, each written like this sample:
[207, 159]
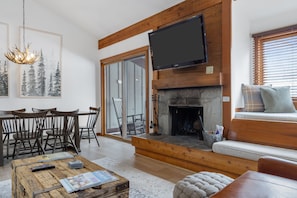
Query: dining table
[76, 131]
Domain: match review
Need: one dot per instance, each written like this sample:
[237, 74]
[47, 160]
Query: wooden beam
[167, 16]
[226, 62]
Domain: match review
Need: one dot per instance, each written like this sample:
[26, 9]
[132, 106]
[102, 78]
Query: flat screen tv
[179, 45]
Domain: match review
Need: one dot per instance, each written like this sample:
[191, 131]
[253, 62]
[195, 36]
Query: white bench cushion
[267, 116]
[252, 151]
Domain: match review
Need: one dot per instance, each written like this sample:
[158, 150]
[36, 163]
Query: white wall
[129, 44]
[240, 54]
[80, 59]
[282, 19]
[247, 20]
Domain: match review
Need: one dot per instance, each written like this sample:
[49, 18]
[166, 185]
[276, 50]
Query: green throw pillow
[277, 100]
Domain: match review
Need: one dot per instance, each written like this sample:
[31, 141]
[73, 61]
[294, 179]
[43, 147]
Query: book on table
[56, 156]
[87, 180]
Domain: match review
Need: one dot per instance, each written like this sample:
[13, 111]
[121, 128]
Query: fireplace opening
[185, 120]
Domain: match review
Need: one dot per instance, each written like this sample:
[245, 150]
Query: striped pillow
[252, 98]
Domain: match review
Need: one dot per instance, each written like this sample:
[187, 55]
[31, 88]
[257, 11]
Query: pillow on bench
[277, 100]
[252, 98]
[265, 98]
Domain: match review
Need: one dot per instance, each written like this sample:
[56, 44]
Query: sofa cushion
[277, 100]
[252, 151]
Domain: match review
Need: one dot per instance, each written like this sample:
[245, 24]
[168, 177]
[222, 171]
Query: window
[275, 58]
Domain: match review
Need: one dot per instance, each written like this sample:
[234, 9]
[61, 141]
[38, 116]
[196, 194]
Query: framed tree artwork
[43, 78]
[3, 60]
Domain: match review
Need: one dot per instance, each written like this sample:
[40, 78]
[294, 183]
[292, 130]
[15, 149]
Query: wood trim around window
[288, 29]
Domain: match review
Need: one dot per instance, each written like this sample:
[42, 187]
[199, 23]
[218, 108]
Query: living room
[89, 55]
[80, 57]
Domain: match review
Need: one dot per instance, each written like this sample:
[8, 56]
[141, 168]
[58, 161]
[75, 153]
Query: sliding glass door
[125, 96]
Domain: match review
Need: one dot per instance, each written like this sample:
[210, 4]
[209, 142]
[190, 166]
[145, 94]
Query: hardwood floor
[124, 152]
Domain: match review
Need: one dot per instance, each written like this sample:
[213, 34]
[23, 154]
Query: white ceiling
[257, 9]
[104, 17]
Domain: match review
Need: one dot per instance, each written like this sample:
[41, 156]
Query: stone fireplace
[185, 120]
[189, 103]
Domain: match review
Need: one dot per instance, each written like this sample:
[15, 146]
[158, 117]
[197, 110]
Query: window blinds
[276, 60]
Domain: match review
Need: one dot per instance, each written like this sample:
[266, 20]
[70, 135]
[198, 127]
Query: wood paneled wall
[213, 27]
[217, 17]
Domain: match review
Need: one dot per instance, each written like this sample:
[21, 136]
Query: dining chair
[28, 128]
[62, 126]
[48, 119]
[8, 128]
[88, 131]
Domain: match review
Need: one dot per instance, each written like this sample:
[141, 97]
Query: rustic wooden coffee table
[45, 183]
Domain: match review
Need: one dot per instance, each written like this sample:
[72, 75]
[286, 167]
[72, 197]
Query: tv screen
[179, 45]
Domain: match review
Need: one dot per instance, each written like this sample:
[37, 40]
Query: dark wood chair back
[93, 117]
[63, 123]
[88, 131]
[48, 120]
[41, 110]
[8, 127]
[28, 128]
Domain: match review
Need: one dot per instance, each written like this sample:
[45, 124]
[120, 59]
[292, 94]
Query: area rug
[142, 185]
[5, 187]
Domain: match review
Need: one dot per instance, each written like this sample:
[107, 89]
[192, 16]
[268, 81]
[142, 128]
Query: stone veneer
[210, 98]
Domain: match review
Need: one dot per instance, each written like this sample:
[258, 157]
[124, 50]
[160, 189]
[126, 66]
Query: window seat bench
[250, 138]
[252, 151]
[268, 136]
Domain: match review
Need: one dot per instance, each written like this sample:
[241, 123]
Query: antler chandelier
[22, 57]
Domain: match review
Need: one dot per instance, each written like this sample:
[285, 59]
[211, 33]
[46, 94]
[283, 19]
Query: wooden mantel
[215, 79]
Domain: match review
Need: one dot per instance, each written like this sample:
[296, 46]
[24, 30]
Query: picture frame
[43, 78]
[4, 77]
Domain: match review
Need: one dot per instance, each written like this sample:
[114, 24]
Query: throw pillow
[252, 98]
[277, 100]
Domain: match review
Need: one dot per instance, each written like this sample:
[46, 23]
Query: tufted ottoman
[200, 185]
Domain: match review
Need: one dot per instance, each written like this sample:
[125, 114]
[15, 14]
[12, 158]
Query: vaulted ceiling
[104, 17]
